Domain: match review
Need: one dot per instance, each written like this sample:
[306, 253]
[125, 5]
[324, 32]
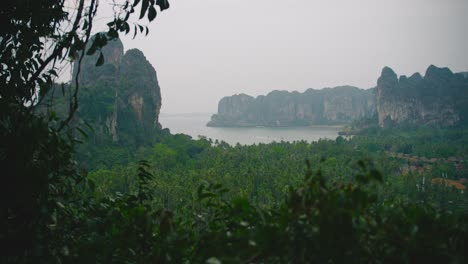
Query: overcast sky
[204, 50]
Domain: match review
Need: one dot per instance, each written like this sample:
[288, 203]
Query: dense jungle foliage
[410, 161]
[379, 197]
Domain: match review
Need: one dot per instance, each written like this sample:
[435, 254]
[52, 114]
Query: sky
[204, 50]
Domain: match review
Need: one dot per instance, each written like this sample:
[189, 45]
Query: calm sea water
[195, 126]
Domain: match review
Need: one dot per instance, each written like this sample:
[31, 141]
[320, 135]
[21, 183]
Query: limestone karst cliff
[337, 105]
[121, 99]
[440, 98]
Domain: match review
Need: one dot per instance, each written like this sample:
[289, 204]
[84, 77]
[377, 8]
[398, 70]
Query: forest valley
[383, 195]
[70, 195]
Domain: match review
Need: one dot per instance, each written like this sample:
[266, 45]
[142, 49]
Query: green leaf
[100, 60]
[82, 132]
[163, 4]
[92, 49]
[151, 13]
[89, 126]
[213, 260]
[127, 16]
[60, 205]
[144, 7]
[113, 34]
[126, 27]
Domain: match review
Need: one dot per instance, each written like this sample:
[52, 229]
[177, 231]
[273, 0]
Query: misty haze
[209, 131]
[206, 50]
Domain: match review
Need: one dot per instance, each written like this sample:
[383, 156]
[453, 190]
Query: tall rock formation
[121, 99]
[439, 98]
[337, 105]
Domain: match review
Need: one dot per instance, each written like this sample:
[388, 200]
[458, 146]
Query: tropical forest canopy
[90, 176]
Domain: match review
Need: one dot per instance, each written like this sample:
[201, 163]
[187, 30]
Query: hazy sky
[204, 50]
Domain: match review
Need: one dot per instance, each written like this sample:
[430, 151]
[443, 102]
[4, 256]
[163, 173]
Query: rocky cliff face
[439, 98]
[145, 97]
[121, 98]
[338, 105]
